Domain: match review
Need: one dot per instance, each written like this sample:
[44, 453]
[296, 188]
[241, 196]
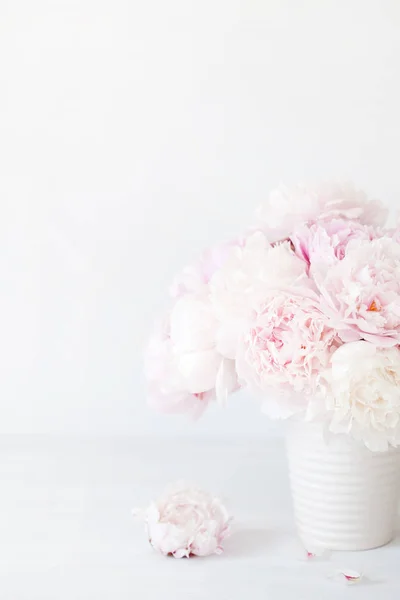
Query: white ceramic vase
[345, 496]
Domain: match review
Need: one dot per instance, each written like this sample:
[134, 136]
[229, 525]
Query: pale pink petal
[179, 402]
[348, 576]
[200, 369]
[193, 324]
[318, 554]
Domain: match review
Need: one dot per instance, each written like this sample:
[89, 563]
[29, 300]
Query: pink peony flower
[361, 293]
[186, 522]
[194, 277]
[363, 397]
[183, 367]
[249, 273]
[286, 346]
[321, 245]
[288, 208]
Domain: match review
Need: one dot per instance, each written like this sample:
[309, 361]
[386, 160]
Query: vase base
[312, 545]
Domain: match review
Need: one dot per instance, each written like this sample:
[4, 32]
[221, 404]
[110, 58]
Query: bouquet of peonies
[304, 310]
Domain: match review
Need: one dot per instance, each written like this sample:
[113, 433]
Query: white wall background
[133, 134]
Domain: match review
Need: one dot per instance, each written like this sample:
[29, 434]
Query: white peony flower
[183, 367]
[288, 208]
[363, 396]
[187, 521]
[248, 274]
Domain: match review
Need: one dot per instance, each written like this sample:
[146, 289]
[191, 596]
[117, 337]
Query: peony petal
[349, 576]
[179, 402]
[181, 553]
[193, 324]
[199, 370]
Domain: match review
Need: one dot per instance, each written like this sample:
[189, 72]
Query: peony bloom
[186, 522]
[361, 293]
[194, 278]
[364, 394]
[288, 208]
[167, 388]
[183, 367]
[322, 245]
[248, 274]
[286, 346]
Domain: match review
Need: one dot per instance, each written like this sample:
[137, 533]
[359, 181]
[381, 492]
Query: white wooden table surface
[66, 530]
